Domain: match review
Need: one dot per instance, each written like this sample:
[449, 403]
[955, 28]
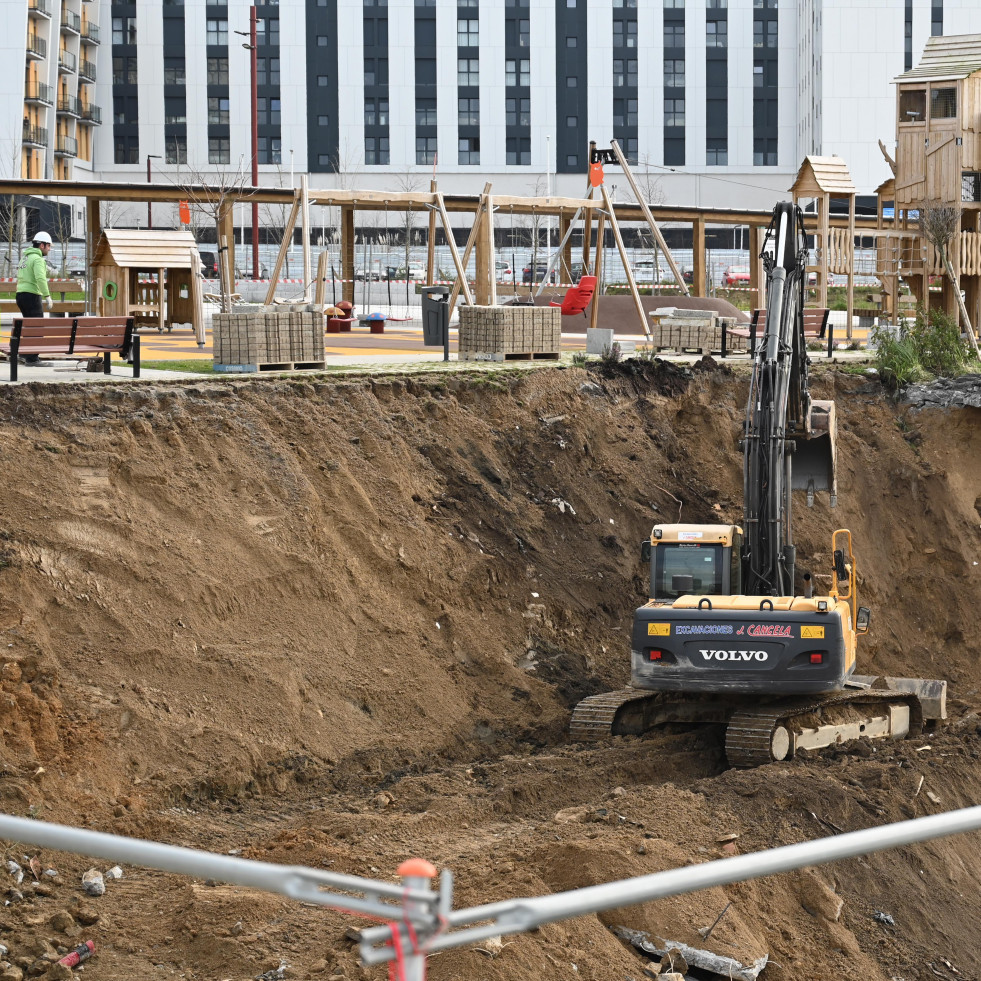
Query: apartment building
[714, 101]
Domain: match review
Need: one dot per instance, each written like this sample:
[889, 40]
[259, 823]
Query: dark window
[518, 150]
[218, 112]
[624, 113]
[912, 106]
[216, 31]
[716, 33]
[218, 71]
[174, 71]
[425, 71]
[469, 150]
[674, 73]
[425, 112]
[469, 112]
[674, 112]
[674, 35]
[624, 72]
[425, 149]
[176, 150]
[376, 112]
[124, 30]
[267, 71]
[218, 152]
[674, 151]
[270, 150]
[716, 152]
[376, 150]
[517, 112]
[468, 71]
[624, 34]
[123, 71]
[425, 32]
[943, 103]
[571, 41]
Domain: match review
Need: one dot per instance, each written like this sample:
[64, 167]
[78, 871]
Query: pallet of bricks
[510, 333]
[273, 338]
[691, 330]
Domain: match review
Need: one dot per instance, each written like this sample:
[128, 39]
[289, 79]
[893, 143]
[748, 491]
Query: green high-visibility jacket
[32, 275]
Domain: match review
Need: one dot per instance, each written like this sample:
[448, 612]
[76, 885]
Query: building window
[912, 106]
[127, 151]
[323, 120]
[218, 71]
[571, 81]
[376, 112]
[270, 150]
[375, 71]
[716, 4]
[218, 152]
[267, 30]
[216, 31]
[425, 149]
[124, 30]
[217, 112]
[468, 71]
[674, 35]
[571, 122]
[268, 111]
[524, 33]
[717, 152]
[765, 34]
[518, 151]
[625, 3]
[174, 71]
[625, 34]
[517, 72]
[624, 113]
[468, 33]
[267, 71]
[517, 112]
[674, 73]
[123, 71]
[469, 112]
[469, 150]
[323, 159]
[970, 186]
[175, 110]
[943, 103]
[176, 151]
[716, 33]
[624, 73]
[674, 4]
[425, 112]
[764, 153]
[323, 41]
[674, 112]
[571, 41]
[572, 160]
[376, 150]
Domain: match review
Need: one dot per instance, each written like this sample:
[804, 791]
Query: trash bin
[435, 315]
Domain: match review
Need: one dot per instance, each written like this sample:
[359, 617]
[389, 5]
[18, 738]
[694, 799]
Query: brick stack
[513, 329]
[282, 337]
[692, 330]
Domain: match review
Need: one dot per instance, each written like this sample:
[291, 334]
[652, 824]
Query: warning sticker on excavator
[659, 630]
[811, 633]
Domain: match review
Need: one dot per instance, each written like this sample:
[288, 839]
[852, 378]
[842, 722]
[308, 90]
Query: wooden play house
[152, 276]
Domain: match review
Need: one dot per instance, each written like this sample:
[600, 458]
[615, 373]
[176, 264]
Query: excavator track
[594, 718]
[767, 733]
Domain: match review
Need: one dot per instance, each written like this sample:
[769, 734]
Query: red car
[736, 276]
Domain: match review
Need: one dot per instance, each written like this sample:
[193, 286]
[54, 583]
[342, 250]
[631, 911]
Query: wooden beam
[460, 270]
[598, 268]
[347, 253]
[471, 241]
[431, 268]
[698, 256]
[626, 263]
[319, 296]
[305, 209]
[283, 246]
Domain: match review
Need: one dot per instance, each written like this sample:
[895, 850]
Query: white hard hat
[42, 237]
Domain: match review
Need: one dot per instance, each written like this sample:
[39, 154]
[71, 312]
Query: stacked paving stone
[686, 330]
[510, 330]
[269, 336]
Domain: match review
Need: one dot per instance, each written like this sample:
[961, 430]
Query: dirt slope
[340, 624]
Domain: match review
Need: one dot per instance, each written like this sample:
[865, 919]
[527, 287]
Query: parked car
[503, 271]
[538, 274]
[372, 275]
[415, 272]
[736, 276]
[209, 264]
[246, 272]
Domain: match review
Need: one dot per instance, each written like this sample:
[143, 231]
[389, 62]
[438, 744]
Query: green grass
[198, 367]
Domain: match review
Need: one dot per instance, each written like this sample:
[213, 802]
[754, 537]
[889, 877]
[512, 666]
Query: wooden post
[197, 297]
[823, 244]
[161, 305]
[431, 247]
[283, 246]
[757, 275]
[305, 207]
[93, 232]
[851, 261]
[319, 296]
[638, 306]
[347, 252]
[226, 252]
[698, 256]
[448, 229]
[565, 263]
[598, 268]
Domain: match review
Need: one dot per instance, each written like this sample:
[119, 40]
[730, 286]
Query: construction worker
[33, 296]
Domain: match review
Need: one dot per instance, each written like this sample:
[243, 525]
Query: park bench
[817, 326]
[78, 338]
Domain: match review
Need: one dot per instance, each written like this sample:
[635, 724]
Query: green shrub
[580, 359]
[930, 344]
[612, 355]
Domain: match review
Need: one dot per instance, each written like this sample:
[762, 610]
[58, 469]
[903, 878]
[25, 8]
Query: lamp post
[149, 180]
[252, 47]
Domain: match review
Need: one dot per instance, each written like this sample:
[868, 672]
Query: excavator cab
[693, 559]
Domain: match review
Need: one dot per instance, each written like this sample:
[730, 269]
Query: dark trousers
[30, 305]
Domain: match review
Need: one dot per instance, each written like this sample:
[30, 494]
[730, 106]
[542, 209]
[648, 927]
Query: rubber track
[749, 733]
[593, 717]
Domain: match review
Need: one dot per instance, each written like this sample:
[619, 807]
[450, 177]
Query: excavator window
[678, 565]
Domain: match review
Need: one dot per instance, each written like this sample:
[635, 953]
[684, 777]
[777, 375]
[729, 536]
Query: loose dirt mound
[343, 624]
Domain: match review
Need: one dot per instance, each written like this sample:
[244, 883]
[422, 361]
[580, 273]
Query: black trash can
[436, 318]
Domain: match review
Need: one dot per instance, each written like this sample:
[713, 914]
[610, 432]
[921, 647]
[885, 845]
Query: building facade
[715, 102]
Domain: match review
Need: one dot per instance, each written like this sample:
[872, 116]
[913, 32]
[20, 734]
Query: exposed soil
[342, 624]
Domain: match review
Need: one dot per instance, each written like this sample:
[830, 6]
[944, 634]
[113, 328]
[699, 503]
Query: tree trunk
[960, 301]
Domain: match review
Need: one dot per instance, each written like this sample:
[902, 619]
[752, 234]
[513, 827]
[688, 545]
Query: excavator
[733, 632]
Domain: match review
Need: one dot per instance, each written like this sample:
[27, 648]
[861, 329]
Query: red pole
[255, 141]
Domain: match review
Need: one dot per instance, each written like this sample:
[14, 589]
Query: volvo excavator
[733, 632]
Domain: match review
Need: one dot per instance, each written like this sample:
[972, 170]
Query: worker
[33, 296]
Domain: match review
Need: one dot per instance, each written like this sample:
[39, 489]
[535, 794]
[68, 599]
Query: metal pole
[416, 874]
[149, 180]
[254, 66]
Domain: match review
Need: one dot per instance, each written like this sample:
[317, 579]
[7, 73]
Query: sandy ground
[344, 623]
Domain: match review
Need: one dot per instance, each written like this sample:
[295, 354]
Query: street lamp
[149, 180]
[252, 47]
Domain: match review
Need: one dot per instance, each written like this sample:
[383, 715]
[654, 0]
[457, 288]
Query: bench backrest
[815, 320]
[68, 333]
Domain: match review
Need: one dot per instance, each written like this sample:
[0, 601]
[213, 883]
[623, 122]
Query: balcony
[70, 22]
[68, 105]
[67, 146]
[86, 70]
[39, 7]
[39, 93]
[90, 33]
[67, 62]
[91, 114]
[35, 135]
[37, 47]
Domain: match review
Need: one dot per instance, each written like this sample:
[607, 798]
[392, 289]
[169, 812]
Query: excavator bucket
[815, 458]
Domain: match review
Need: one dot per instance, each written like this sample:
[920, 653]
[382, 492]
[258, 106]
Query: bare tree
[939, 223]
[653, 192]
[10, 159]
[213, 193]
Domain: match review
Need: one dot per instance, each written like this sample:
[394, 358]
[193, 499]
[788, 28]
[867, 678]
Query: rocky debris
[93, 883]
[114, 873]
[674, 956]
[945, 393]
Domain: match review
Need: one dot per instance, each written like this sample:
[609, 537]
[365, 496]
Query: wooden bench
[817, 325]
[74, 337]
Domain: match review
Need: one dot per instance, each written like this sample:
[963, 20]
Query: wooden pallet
[515, 356]
[270, 366]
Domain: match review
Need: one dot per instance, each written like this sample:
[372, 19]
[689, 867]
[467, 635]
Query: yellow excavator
[731, 632]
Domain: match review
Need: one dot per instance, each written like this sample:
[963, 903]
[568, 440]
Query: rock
[12, 867]
[11, 672]
[93, 883]
[62, 921]
[114, 873]
[12, 974]
[236, 929]
[43, 889]
[15, 895]
[59, 972]
[819, 899]
[382, 800]
[87, 916]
